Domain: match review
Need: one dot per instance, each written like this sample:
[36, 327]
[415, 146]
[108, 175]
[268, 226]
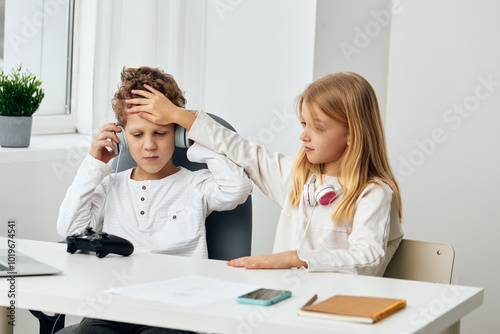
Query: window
[38, 35]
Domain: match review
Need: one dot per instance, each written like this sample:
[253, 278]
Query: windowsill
[48, 148]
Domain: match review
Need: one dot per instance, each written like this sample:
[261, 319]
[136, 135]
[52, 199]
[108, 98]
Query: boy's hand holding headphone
[105, 139]
[157, 108]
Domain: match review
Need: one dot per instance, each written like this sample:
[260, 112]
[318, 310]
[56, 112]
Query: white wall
[447, 160]
[259, 57]
[353, 36]
[32, 192]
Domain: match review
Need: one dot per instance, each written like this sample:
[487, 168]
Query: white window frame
[28, 27]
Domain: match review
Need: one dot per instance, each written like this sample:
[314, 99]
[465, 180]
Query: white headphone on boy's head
[181, 139]
[324, 195]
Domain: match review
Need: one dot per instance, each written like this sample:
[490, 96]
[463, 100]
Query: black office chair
[229, 233]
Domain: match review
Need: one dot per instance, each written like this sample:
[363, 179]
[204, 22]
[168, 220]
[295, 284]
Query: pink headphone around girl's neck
[324, 195]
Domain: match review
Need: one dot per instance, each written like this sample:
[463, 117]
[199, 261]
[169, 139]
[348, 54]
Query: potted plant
[20, 96]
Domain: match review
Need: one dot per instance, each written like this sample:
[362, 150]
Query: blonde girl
[340, 203]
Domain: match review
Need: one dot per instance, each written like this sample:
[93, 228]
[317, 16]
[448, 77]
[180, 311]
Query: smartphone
[264, 296]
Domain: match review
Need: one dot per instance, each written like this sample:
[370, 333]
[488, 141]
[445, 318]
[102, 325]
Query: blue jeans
[97, 326]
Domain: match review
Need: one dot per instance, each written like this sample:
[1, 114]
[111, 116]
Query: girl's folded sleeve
[270, 172]
[82, 204]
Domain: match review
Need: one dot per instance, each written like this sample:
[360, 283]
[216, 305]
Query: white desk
[80, 291]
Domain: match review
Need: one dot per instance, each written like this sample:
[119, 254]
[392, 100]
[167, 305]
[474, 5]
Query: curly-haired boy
[157, 206]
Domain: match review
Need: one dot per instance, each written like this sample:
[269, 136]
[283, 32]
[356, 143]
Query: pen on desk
[310, 301]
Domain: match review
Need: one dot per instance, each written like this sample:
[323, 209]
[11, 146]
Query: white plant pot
[15, 131]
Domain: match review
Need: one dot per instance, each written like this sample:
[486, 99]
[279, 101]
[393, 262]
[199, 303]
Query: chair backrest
[229, 233]
[422, 261]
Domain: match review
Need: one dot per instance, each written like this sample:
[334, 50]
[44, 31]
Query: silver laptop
[23, 265]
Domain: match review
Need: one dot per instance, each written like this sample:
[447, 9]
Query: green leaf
[20, 93]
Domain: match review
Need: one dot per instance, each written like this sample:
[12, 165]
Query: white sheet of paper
[187, 291]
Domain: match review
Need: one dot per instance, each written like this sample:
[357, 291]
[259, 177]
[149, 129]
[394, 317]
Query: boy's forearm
[76, 209]
[228, 185]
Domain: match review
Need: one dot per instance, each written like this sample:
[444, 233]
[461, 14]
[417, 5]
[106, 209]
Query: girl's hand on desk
[285, 260]
[154, 106]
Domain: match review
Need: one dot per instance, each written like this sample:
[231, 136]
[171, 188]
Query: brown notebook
[354, 308]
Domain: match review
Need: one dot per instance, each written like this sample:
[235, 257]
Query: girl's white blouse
[363, 245]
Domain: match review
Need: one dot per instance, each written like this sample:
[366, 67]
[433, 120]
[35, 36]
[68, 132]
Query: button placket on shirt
[143, 205]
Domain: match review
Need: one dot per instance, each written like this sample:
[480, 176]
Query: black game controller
[101, 243]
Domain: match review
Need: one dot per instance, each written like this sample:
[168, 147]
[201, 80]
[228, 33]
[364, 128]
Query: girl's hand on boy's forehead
[154, 107]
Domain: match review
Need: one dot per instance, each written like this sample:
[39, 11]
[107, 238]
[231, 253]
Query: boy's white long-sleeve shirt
[164, 216]
[363, 245]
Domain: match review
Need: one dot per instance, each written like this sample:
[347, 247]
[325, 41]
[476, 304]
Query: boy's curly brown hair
[134, 79]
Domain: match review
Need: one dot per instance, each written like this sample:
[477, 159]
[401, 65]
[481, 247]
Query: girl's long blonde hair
[350, 100]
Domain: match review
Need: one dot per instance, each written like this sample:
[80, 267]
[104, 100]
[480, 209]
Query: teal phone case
[265, 302]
